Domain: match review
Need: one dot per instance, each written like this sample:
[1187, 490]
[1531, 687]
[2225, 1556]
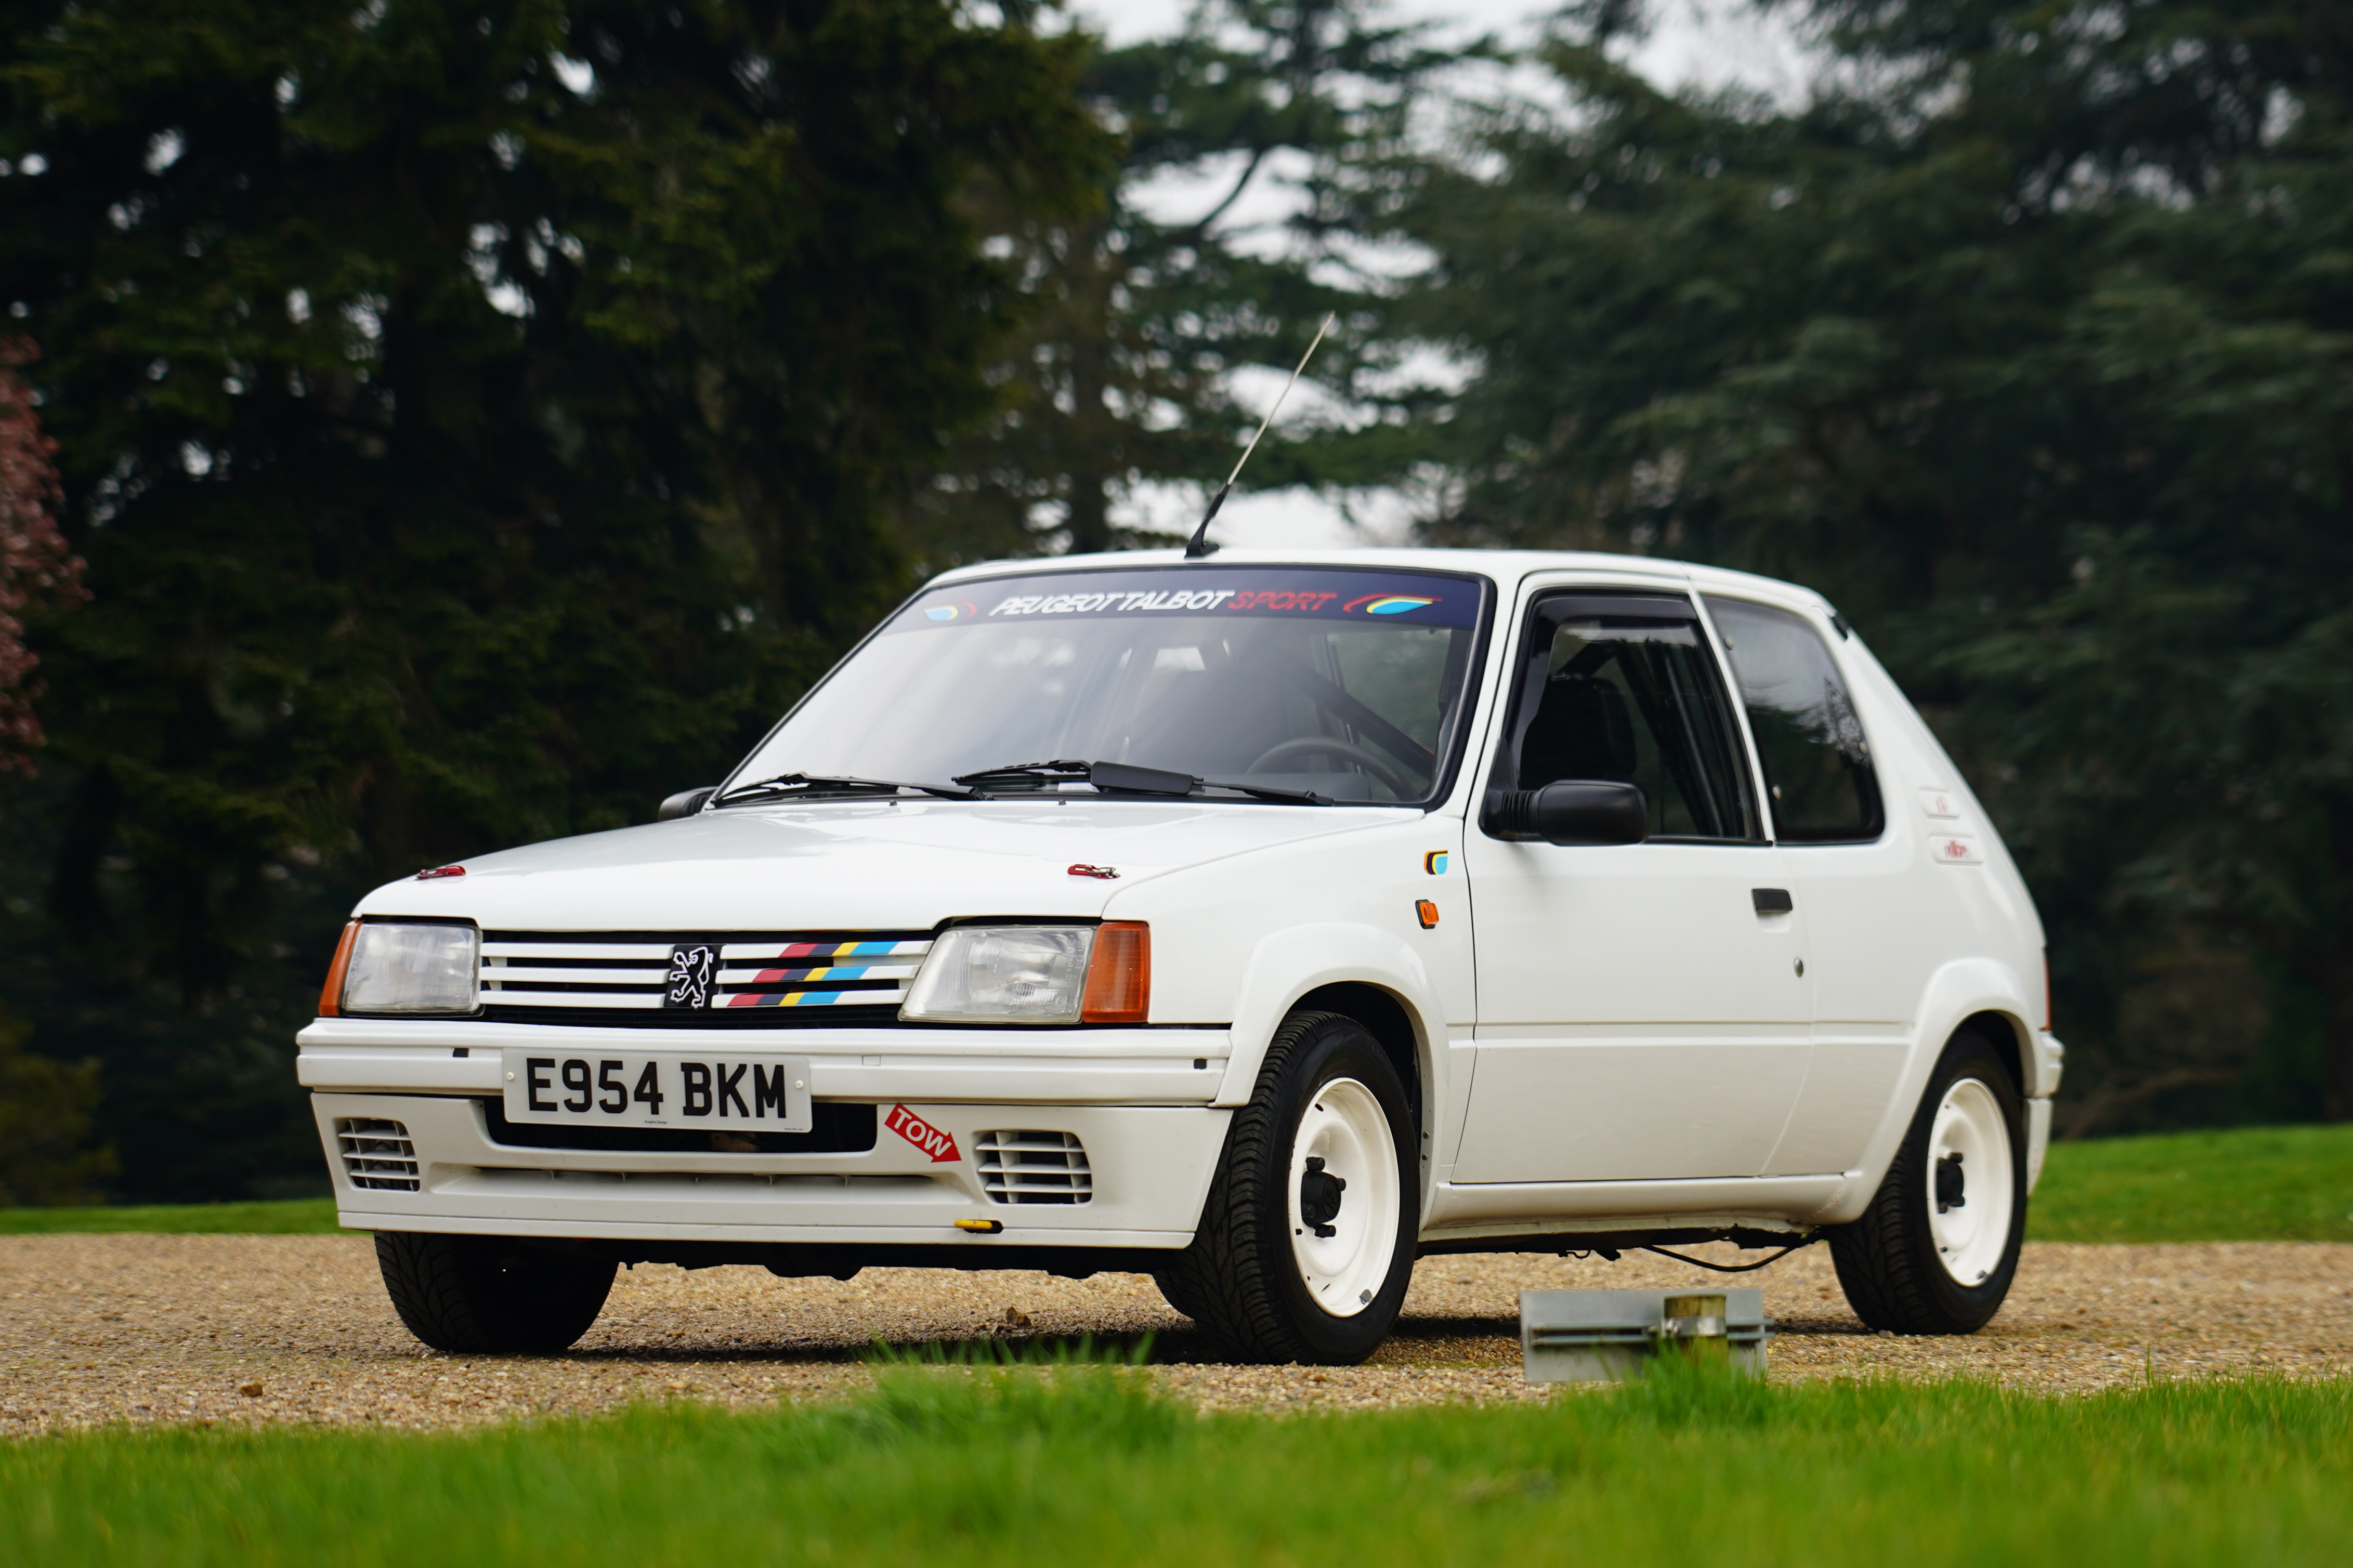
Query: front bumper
[1150, 1168]
[1008, 1067]
[1137, 1098]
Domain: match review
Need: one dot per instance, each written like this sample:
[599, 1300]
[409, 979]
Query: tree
[478, 422]
[1122, 373]
[35, 567]
[2031, 346]
[45, 1124]
[45, 1106]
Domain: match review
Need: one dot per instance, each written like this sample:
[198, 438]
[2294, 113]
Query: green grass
[942, 1466]
[294, 1217]
[2256, 1184]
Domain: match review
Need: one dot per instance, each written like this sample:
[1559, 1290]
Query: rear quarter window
[1818, 778]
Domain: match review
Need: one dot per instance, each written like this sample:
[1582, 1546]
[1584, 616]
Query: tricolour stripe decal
[838, 971]
[813, 998]
[850, 948]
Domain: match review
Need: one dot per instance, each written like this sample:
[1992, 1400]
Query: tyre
[489, 1295]
[1935, 1251]
[1172, 1291]
[1306, 1243]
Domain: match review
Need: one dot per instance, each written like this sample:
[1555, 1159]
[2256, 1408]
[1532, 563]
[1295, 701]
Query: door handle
[1771, 901]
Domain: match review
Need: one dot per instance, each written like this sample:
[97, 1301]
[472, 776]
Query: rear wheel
[1306, 1243]
[1935, 1251]
[489, 1295]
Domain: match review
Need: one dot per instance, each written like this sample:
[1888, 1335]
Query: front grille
[835, 1017]
[376, 1153]
[765, 980]
[836, 1127]
[1033, 1167]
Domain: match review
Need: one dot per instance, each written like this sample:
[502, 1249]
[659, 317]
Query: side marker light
[1428, 912]
[981, 1227]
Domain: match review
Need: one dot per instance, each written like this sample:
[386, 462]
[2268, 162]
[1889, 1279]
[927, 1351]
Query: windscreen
[1344, 683]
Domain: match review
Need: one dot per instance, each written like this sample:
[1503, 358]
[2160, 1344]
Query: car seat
[1582, 729]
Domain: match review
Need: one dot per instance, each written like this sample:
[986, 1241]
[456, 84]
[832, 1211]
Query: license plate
[639, 1088]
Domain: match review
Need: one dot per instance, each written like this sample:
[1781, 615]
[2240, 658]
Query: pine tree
[2030, 346]
[478, 422]
[1122, 372]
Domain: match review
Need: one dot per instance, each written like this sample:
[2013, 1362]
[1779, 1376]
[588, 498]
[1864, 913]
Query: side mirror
[685, 803]
[1571, 810]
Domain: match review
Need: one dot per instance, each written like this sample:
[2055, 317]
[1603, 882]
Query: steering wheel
[1400, 786]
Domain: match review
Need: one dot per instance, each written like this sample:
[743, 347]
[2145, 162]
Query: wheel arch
[1363, 973]
[1388, 1020]
[2006, 1034]
[1974, 996]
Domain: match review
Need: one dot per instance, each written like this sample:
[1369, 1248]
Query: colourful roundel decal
[1387, 604]
[962, 610]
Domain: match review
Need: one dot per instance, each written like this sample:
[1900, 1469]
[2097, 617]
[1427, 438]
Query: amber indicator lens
[1119, 975]
[1427, 911]
[331, 995]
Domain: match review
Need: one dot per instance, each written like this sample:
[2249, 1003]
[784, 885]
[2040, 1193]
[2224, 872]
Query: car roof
[1506, 568]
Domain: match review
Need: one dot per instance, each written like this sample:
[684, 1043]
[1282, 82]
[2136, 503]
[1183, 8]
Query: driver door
[1642, 1008]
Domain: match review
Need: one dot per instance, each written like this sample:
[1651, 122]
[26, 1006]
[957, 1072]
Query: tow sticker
[939, 1145]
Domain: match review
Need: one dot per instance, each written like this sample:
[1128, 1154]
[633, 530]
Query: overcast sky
[1702, 44]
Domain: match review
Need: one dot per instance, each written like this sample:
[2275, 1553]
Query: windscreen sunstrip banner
[1279, 593]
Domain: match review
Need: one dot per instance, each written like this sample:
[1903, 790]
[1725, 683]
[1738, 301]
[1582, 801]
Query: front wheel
[489, 1295]
[1935, 1251]
[1306, 1243]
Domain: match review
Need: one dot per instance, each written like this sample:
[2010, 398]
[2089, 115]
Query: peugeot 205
[1261, 924]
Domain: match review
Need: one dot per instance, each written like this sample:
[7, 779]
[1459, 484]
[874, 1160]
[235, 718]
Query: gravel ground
[223, 1329]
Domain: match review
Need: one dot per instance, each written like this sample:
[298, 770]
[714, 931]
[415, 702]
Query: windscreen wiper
[802, 786]
[1127, 778]
[1269, 792]
[1026, 772]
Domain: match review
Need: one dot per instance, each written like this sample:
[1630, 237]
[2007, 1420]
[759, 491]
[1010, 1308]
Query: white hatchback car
[1260, 923]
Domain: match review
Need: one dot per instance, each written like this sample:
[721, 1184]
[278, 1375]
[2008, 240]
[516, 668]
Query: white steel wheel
[1343, 1197]
[1971, 1190]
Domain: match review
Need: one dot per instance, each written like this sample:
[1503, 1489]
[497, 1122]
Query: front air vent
[377, 1154]
[1034, 1167]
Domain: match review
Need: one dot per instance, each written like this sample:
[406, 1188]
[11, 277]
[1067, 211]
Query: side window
[1623, 688]
[1816, 763]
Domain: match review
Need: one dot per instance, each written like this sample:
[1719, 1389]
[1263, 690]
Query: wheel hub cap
[1319, 1196]
[1952, 1185]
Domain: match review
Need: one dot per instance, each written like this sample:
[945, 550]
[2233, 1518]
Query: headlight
[1035, 974]
[385, 967]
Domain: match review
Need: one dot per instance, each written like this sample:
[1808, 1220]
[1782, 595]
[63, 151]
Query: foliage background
[480, 420]
[476, 419]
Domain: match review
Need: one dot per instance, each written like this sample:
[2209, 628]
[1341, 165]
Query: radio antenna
[1198, 545]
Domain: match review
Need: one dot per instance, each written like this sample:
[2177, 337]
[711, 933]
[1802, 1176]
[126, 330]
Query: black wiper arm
[1129, 779]
[1268, 792]
[1018, 771]
[1124, 776]
[805, 785]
